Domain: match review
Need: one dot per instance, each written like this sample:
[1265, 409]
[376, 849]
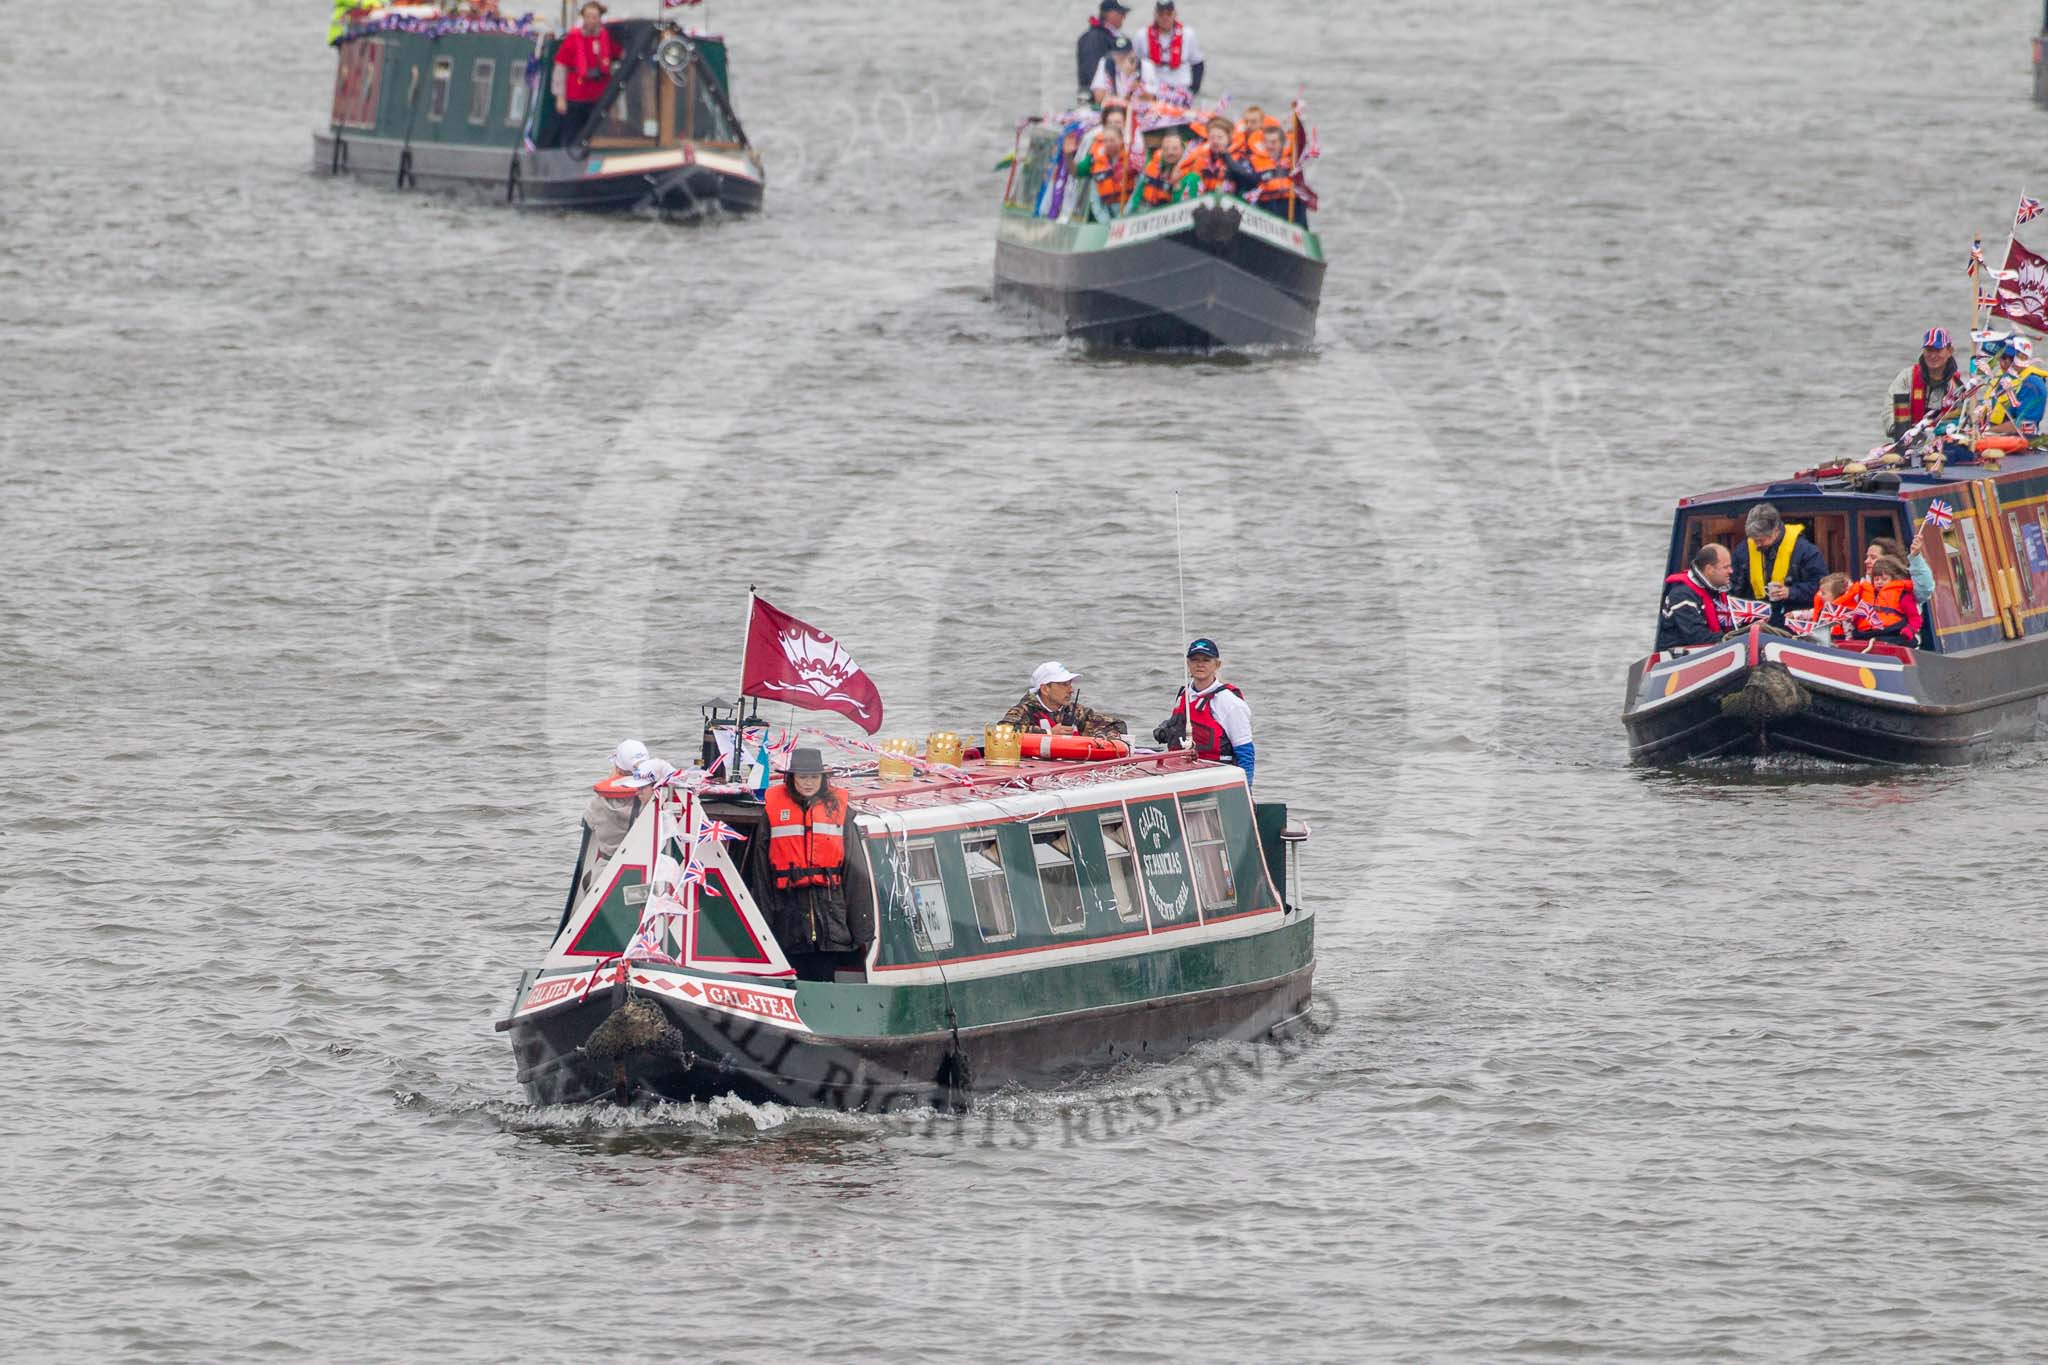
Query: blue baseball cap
[1205, 645]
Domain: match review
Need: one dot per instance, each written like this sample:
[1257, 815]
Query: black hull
[702, 1054]
[1206, 287]
[1959, 709]
[544, 179]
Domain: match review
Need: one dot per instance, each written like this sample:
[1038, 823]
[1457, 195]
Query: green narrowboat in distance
[1210, 272]
[1029, 925]
[464, 105]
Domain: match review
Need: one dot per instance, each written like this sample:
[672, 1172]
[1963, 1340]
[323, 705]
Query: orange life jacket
[1894, 603]
[1276, 185]
[1113, 177]
[617, 789]
[1158, 183]
[1203, 161]
[806, 844]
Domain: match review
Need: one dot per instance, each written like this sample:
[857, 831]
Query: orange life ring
[1039, 744]
[2006, 443]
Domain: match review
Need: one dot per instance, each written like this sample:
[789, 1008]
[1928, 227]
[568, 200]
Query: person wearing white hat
[1053, 705]
[615, 804]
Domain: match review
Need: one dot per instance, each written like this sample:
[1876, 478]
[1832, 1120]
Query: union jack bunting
[1743, 611]
[1976, 257]
[2027, 212]
[1940, 514]
[719, 830]
[1863, 616]
[1827, 618]
[693, 874]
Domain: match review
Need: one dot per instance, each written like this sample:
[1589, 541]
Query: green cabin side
[492, 90]
[1092, 874]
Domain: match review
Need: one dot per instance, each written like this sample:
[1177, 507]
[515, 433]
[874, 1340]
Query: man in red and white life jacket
[1169, 57]
[1923, 386]
[1209, 713]
[1696, 603]
[583, 68]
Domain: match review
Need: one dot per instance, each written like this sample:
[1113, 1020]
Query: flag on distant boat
[1743, 611]
[791, 661]
[1941, 515]
[2023, 298]
[2028, 211]
[1976, 256]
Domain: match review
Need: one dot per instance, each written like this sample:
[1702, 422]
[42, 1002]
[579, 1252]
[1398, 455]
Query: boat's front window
[992, 912]
[2019, 545]
[633, 118]
[934, 922]
[1214, 884]
[1123, 882]
[699, 115]
[1058, 878]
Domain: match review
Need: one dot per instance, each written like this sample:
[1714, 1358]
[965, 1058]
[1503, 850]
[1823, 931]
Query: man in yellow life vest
[344, 12]
[1785, 568]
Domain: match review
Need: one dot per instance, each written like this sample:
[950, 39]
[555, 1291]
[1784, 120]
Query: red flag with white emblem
[2023, 288]
[792, 661]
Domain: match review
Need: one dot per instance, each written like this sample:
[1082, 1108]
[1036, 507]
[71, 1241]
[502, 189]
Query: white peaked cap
[1051, 671]
[630, 754]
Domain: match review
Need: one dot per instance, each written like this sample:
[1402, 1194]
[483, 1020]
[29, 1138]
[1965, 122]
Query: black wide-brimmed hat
[806, 763]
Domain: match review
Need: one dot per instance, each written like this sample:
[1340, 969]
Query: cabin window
[933, 922]
[1215, 887]
[1052, 850]
[444, 76]
[1877, 525]
[2019, 549]
[991, 891]
[1959, 574]
[516, 106]
[483, 74]
[708, 122]
[1123, 880]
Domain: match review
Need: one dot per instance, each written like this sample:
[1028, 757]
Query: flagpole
[1180, 565]
[739, 705]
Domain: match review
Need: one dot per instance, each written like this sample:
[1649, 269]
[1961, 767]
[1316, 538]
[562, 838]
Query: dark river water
[343, 533]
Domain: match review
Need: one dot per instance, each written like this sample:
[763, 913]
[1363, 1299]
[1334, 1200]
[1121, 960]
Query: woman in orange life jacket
[1277, 190]
[1898, 611]
[807, 839]
[1211, 164]
[1155, 186]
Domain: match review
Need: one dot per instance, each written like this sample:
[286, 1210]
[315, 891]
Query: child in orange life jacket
[1834, 586]
[1211, 164]
[1898, 611]
[1247, 137]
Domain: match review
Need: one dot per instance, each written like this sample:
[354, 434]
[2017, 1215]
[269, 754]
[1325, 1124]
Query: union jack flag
[1827, 618]
[1863, 616]
[1940, 514]
[693, 874]
[1976, 257]
[2028, 210]
[719, 830]
[1743, 611]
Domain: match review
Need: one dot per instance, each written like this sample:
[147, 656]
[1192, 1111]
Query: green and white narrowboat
[1025, 925]
[1211, 272]
[464, 105]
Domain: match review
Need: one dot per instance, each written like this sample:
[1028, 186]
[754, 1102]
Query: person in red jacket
[583, 68]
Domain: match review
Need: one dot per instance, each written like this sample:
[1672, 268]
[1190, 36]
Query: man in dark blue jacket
[1785, 568]
[1096, 43]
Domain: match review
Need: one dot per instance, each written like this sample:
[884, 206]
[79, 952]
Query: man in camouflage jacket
[1051, 702]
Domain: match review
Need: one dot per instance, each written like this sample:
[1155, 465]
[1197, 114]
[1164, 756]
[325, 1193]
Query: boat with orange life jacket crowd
[1023, 911]
[643, 117]
[1152, 223]
[1879, 674]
